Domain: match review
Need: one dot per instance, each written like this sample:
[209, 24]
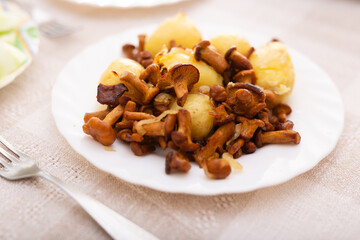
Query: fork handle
[115, 225]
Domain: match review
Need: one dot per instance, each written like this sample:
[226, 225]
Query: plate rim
[195, 191]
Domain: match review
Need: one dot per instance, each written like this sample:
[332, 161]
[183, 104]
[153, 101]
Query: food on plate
[179, 29]
[119, 66]
[14, 50]
[274, 69]
[176, 55]
[223, 42]
[209, 105]
[11, 59]
[199, 106]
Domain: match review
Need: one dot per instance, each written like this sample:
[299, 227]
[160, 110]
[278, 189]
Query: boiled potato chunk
[225, 41]
[119, 66]
[208, 76]
[274, 69]
[178, 28]
[199, 106]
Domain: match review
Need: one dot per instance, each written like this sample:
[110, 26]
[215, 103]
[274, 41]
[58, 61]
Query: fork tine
[9, 156]
[9, 146]
[4, 163]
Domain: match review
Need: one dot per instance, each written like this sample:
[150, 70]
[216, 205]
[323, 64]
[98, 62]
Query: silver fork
[48, 26]
[17, 165]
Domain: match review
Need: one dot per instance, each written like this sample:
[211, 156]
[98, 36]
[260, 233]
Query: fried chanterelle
[210, 103]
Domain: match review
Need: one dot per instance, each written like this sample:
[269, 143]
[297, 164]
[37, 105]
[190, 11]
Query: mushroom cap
[229, 52]
[110, 94]
[217, 168]
[177, 161]
[101, 131]
[185, 73]
[182, 78]
[237, 60]
[282, 108]
[245, 76]
[198, 47]
[207, 53]
[151, 74]
[250, 109]
[138, 90]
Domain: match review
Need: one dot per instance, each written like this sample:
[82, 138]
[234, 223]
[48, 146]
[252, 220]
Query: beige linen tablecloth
[323, 203]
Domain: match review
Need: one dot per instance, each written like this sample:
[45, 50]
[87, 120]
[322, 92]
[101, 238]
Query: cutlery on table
[16, 165]
[48, 25]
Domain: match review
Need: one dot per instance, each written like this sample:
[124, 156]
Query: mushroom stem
[282, 136]
[182, 78]
[154, 129]
[236, 146]
[99, 114]
[204, 51]
[137, 116]
[151, 74]
[138, 90]
[169, 126]
[237, 59]
[182, 137]
[281, 111]
[221, 135]
[114, 115]
[177, 161]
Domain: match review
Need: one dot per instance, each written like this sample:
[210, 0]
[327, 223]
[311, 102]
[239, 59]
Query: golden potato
[225, 41]
[178, 28]
[119, 66]
[199, 106]
[274, 69]
[208, 76]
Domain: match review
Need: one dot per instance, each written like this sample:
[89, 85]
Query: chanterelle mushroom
[101, 130]
[237, 60]
[246, 76]
[245, 99]
[177, 161]
[182, 137]
[110, 94]
[181, 77]
[138, 90]
[221, 135]
[249, 126]
[151, 74]
[282, 136]
[217, 168]
[204, 51]
[281, 111]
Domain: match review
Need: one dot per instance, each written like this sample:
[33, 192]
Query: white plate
[27, 38]
[124, 3]
[318, 115]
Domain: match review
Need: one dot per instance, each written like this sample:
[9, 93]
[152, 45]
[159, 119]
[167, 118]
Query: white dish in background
[26, 38]
[124, 3]
[318, 115]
